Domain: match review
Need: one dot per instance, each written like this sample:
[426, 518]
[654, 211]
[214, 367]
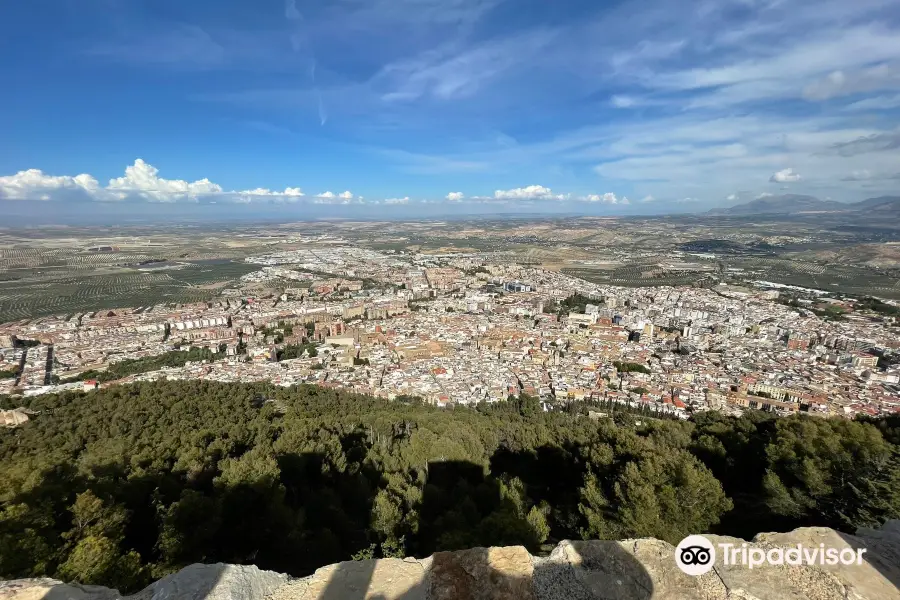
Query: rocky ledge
[633, 569]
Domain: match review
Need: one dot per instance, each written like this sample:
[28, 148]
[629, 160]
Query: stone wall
[642, 569]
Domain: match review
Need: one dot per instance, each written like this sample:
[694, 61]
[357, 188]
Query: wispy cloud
[877, 142]
[693, 101]
[426, 164]
[875, 103]
[182, 46]
[453, 72]
[866, 175]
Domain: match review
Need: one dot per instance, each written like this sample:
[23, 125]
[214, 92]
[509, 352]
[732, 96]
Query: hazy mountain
[880, 205]
[783, 204]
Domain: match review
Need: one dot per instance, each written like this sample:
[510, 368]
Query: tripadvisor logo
[696, 555]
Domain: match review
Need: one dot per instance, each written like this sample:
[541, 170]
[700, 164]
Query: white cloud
[293, 192]
[648, 198]
[764, 195]
[731, 197]
[607, 198]
[455, 196]
[785, 176]
[289, 195]
[824, 63]
[736, 61]
[404, 200]
[687, 201]
[332, 198]
[531, 192]
[33, 184]
[141, 182]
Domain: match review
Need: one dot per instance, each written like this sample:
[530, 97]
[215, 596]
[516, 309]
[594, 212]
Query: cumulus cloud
[33, 184]
[731, 197]
[607, 198]
[764, 195]
[785, 176]
[648, 198]
[289, 195]
[531, 192]
[404, 200]
[141, 182]
[332, 198]
[455, 196]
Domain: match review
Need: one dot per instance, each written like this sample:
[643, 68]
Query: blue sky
[576, 106]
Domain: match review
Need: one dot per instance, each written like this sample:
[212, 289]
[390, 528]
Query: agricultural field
[63, 271]
[36, 296]
[846, 279]
[638, 276]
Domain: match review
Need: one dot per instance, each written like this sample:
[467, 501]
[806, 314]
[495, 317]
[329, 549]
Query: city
[457, 329]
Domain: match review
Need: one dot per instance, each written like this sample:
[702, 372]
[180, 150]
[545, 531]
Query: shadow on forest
[315, 516]
[463, 510]
[303, 512]
[551, 473]
[302, 516]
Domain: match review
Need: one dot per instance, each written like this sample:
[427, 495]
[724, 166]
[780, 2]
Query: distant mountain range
[787, 204]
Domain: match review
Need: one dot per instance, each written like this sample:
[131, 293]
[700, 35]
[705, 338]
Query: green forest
[126, 484]
[134, 366]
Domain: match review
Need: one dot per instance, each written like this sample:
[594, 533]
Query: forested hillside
[129, 483]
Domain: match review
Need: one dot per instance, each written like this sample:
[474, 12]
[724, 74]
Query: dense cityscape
[457, 329]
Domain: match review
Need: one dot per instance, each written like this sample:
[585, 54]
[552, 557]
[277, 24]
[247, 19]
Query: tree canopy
[128, 483]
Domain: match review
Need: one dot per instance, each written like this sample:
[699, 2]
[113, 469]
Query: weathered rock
[482, 573]
[52, 589]
[214, 582]
[627, 570]
[386, 579]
